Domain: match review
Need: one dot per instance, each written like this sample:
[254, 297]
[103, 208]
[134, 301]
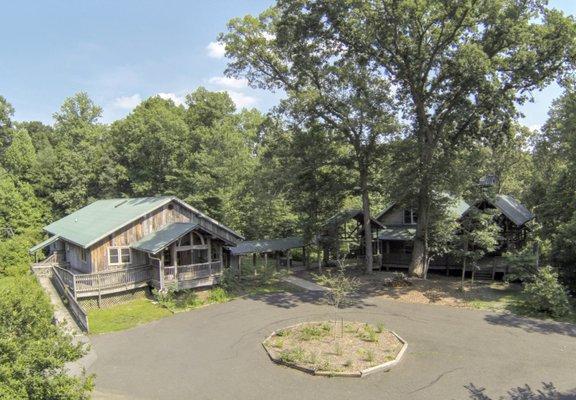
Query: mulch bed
[333, 346]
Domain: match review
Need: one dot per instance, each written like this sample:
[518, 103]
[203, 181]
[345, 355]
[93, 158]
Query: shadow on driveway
[548, 392]
[532, 325]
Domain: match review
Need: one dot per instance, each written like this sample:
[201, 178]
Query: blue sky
[123, 51]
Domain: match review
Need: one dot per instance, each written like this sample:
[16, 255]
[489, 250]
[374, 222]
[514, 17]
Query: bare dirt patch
[333, 347]
[437, 289]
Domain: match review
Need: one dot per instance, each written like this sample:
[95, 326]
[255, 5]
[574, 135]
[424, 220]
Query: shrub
[367, 355]
[33, 349]
[218, 295]
[368, 334]
[187, 299]
[311, 332]
[294, 355]
[546, 295]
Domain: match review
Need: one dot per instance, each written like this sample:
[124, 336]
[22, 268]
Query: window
[119, 255]
[83, 255]
[410, 216]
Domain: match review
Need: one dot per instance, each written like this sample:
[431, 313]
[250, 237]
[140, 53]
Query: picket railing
[193, 271]
[121, 279]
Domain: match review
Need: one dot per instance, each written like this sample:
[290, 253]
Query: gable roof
[346, 215]
[458, 207]
[101, 218]
[512, 209]
[156, 241]
[268, 245]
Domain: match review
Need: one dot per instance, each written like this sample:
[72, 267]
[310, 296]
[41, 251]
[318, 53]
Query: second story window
[410, 216]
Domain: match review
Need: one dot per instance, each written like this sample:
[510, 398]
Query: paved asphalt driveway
[215, 353]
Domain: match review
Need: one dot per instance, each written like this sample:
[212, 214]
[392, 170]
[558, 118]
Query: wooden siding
[74, 257]
[394, 216]
[151, 222]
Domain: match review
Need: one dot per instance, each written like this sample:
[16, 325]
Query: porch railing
[193, 271]
[111, 279]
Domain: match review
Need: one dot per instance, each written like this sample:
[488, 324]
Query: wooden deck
[122, 280]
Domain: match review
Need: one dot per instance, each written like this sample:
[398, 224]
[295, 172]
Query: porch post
[266, 260]
[289, 259]
[210, 256]
[161, 270]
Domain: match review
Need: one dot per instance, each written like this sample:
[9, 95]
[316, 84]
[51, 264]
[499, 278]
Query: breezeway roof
[267, 246]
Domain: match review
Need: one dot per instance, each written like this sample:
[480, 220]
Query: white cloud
[241, 99]
[127, 102]
[178, 100]
[232, 83]
[216, 50]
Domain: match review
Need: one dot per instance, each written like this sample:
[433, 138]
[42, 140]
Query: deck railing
[59, 278]
[193, 271]
[111, 279]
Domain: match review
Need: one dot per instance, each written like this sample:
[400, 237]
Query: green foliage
[341, 285]
[522, 264]
[218, 295]
[546, 295]
[33, 350]
[367, 355]
[294, 355]
[368, 333]
[314, 332]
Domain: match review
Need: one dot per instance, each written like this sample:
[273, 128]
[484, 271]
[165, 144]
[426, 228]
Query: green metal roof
[101, 218]
[43, 244]
[156, 241]
[267, 246]
[400, 233]
[513, 209]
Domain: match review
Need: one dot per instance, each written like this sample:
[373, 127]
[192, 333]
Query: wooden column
[289, 259]
[161, 270]
[266, 260]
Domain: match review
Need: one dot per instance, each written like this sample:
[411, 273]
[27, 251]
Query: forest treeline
[251, 172]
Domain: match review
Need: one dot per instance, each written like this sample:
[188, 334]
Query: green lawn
[141, 311]
[124, 316]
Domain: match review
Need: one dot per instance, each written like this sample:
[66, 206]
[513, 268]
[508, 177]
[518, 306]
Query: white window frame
[119, 254]
[413, 221]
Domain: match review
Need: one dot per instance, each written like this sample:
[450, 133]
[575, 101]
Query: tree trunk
[367, 221]
[463, 274]
[419, 263]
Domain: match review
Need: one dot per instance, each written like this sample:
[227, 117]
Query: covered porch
[184, 255]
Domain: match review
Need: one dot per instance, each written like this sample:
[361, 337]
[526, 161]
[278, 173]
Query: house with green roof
[115, 245]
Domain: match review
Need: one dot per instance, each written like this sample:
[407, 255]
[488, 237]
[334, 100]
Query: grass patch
[125, 316]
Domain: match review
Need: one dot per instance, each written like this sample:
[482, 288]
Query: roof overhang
[43, 244]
